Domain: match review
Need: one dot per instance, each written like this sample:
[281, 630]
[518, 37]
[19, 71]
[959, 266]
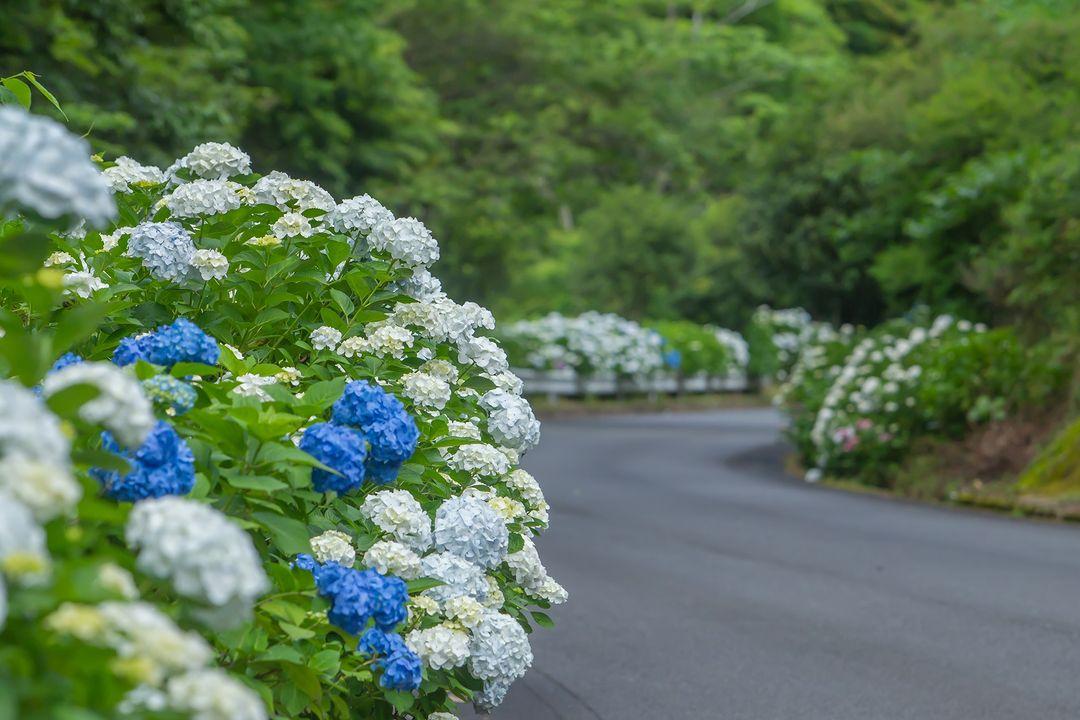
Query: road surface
[705, 583]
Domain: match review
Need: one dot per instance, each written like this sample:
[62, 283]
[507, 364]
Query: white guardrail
[567, 383]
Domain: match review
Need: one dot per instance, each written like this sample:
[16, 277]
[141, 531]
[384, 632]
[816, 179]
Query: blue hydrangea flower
[388, 427]
[358, 596]
[64, 361]
[163, 465]
[377, 642]
[402, 670]
[673, 359]
[170, 392]
[165, 249]
[339, 447]
[167, 345]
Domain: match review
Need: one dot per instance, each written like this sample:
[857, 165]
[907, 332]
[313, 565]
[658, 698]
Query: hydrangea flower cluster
[120, 405]
[125, 172]
[162, 465]
[390, 431]
[173, 394]
[165, 248]
[203, 554]
[182, 341]
[46, 170]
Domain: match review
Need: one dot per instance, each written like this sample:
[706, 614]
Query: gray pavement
[705, 583]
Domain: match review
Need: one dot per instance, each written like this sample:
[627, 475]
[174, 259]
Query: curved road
[704, 583]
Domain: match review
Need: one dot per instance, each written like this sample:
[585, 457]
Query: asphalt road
[704, 583]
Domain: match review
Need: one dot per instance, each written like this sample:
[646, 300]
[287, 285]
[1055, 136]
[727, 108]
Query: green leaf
[67, 402]
[20, 89]
[32, 79]
[282, 653]
[263, 483]
[516, 543]
[542, 619]
[327, 662]
[289, 535]
[185, 369]
[77, 324]
[419, 585]
[342, 301]
[402, 701]
[323, 394]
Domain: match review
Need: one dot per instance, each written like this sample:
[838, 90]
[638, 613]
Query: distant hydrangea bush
[279, 431]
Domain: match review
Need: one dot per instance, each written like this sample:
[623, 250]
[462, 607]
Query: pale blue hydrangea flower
[165, 248]
[47, 170]
[469, 528]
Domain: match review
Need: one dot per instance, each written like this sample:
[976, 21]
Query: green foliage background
[659, 158]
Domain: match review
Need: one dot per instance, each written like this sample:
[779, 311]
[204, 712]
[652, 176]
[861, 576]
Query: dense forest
[658, 158]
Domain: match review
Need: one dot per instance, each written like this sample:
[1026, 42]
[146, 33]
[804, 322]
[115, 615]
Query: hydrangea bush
[603, 343]
[254, 407]
[777, 337]
[858, 401]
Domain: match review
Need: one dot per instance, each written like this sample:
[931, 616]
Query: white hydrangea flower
[526, 484]
[405, 239]
[351, 347]
[165, 248]
[135, 631]
[211, 264]
[425, 390]
[205, 555]
[47, 170]
[117, 580]
[109, 241]
[139, 631]
[23, 555]
[204, 197]
[127, 172]
[495, 597]
[492, 694]
[288, 376]
[398, 513]
[511, 421]
[29, 428]
[59, 258]
[425, 604]
[526, 567]
[334, 546]
[465, 610]
[325, 338]
[422, 285]
[469, 528]
[393, 558]
[292, 224]
[388, 339]
[214, 161]
[552, 591]
[499, 649]
[441, 369]
[358, 214]
[463, 430]
[479, 459]
[460, 576]
[83, 283]
[212, 694]
[507, 508]
[442, 716]
[482, 352]
[277, 188]
[507, 381]
[44, 487]
[120, 406]
[251, 385]
[440, 647]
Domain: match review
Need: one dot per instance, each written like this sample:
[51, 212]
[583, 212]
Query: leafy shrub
[699, 348]
[289, 364]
